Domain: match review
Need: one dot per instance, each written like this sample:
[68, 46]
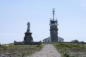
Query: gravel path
[47, 51]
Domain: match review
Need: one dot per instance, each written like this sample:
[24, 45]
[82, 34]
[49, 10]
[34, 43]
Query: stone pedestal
[28, 38]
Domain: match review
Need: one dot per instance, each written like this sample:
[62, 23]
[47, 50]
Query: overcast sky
[14, 15]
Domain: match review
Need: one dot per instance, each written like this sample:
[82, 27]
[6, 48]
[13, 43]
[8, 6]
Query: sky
[14, 15]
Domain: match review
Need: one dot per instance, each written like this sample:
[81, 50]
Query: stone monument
[28, 35]
[28, 40]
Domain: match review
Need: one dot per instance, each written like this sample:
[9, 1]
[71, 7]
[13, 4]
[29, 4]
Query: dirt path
[47, 51]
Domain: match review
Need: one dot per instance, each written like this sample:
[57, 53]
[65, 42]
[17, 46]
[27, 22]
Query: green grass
[20, 50]
[64, 48]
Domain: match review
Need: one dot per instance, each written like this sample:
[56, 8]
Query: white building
[60, 39]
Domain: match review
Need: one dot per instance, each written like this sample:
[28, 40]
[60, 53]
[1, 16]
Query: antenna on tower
[53, 11]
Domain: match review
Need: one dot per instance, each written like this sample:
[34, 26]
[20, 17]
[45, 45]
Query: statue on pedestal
[28, 35]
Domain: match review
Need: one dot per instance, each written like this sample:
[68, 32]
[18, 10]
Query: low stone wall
[31, 43]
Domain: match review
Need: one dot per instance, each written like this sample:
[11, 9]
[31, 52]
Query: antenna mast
[53, 13]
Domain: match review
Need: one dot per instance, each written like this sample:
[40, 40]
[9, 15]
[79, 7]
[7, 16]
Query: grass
[20, 50]
[65, 48]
